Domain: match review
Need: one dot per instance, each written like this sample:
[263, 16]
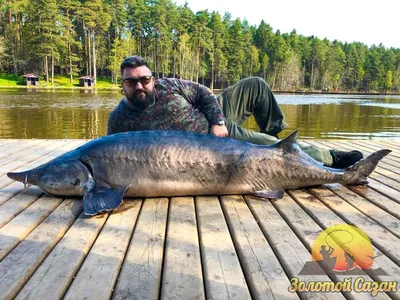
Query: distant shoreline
[216, 91]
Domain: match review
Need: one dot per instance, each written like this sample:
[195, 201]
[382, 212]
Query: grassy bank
[12, 81]
[62, 82]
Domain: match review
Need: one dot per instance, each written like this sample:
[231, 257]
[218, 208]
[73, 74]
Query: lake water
[83, 114]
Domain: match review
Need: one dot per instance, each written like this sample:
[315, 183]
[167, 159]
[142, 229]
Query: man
[174, 104]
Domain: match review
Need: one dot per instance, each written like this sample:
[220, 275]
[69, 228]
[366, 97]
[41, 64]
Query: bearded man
[175, 104]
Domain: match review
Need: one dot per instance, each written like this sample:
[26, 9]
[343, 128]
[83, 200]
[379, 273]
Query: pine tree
[73, 45]
[13, 13]
[181, 55]
[218, 61]
[119, 38]
[200, 38]
[95, 21]
[44, 33]
[236, 55]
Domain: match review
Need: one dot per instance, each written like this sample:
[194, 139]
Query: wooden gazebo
[86, 81]
[31, 79]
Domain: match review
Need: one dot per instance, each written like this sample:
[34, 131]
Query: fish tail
[359, 172]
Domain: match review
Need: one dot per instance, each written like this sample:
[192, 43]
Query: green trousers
[252, 96]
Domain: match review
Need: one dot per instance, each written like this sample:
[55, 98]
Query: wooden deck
[232, 247]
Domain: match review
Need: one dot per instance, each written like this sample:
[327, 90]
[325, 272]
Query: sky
[369, 21]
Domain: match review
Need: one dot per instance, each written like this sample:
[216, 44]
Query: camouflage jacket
[179, 105]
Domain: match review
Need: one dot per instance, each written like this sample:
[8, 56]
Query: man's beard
[141, 101]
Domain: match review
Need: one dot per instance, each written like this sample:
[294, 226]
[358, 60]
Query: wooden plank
[380, 237]
[15, 189]
[382, 184]
[265, 276]
[45, 157]
[384, 190]
[391, 159]
[24, 148]
[289, 249]
[44, 153]
[386, 177]
[17, 229]
[10, 188]
[11, 142]
[382, 172]
[97, 276]
[182, 274]
[378, 199]
[394, 156]
[52, 279]
[13, 207]
[304, 227]
[17, 147]
[223, 275]
[140, 276]
[326, 218]
[380, 216]
[45, 148]
[393, 143]
[19, 265]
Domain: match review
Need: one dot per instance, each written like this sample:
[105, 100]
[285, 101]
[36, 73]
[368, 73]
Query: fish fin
[289, 143]
[270, 194]
[359, 172]
[99, 199]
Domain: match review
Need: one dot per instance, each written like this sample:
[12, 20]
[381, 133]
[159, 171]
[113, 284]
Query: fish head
[59, 177]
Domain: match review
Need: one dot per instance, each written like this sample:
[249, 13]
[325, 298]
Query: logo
[343, 250]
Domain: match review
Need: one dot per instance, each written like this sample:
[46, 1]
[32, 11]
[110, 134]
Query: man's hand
[219, 130]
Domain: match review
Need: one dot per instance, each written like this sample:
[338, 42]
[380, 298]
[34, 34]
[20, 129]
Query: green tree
[263, 40]
[236, 55]
[255, 64]
[334, 66]
[121, 49]
[182, 61]
[117, 36]
[96, 20]
[138, 15]
[73, 45]
[389, 80]
[44, 34]
[354, 68]
[280, 54]
[316, 62]
[374, 78]
[247, 49]
[201, 39]
[2, 52]
[13, 14]
[218, 61]
[264, 65]
[162, 31]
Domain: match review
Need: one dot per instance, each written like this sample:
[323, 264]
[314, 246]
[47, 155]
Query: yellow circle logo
[344, 248]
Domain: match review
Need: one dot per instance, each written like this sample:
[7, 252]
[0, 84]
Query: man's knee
[257, 82]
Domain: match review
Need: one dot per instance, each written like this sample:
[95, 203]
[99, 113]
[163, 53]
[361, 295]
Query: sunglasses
[144, 80]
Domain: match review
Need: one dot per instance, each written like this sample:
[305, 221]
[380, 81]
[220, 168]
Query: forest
[91, 37]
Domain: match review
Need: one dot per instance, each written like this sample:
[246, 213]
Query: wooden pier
[229, 247]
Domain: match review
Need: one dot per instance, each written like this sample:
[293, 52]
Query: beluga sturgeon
[158, 163]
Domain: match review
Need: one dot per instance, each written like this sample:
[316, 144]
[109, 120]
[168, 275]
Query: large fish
[175, 163]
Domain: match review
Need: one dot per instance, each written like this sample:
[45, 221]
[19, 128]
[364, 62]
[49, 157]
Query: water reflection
[341, 116]
[84, 114]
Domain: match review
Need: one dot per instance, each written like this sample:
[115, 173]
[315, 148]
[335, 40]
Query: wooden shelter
[86, 81]
[31, 79]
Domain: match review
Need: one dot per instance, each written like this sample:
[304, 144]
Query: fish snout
[24, 177]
